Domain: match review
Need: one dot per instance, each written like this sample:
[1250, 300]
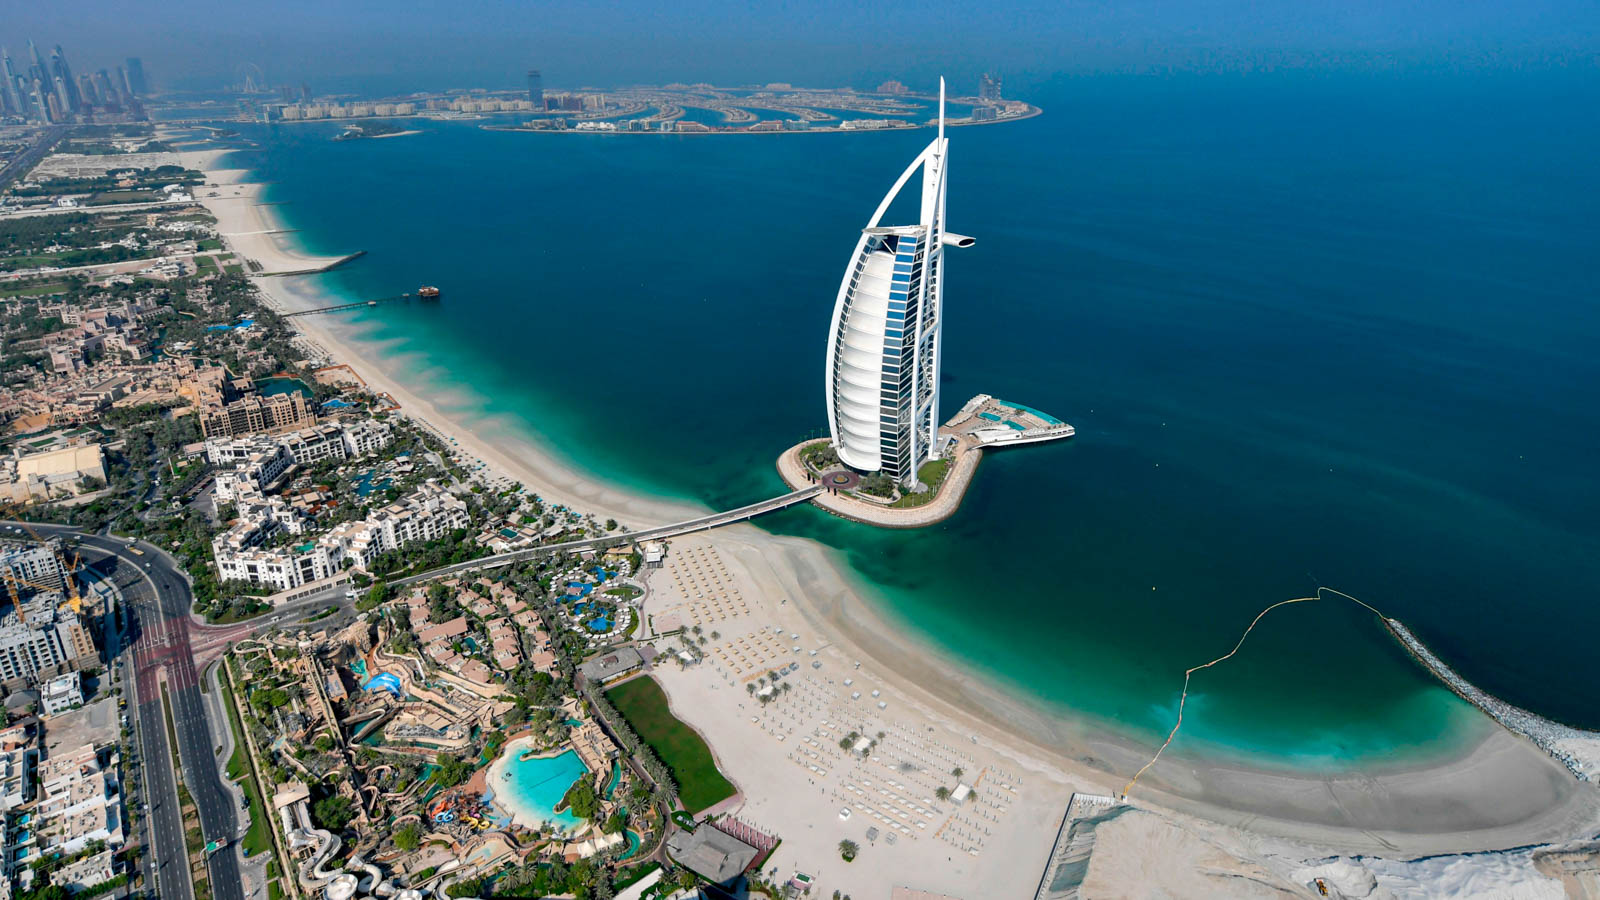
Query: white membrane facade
[883, 347]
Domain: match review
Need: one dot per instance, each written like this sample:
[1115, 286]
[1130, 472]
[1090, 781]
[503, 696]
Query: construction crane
[68, 570]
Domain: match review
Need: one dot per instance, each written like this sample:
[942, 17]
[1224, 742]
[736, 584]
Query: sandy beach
[765, 595]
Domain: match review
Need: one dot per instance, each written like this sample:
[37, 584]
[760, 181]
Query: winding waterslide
[302, 833]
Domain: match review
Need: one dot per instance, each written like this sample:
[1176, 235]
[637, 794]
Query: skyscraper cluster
[47, 91]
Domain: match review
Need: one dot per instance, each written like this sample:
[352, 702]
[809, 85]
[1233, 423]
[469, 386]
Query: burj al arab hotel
[883, 346]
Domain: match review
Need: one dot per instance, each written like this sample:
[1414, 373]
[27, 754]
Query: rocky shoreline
[1574, 748]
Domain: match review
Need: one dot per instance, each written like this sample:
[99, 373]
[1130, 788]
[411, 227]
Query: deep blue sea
[1312, 329]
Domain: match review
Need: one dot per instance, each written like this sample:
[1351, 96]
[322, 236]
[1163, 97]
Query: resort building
[255, 414]
[308, 445]
[611, 664]
[714, 855]
[882, 373]
[282, 568]
[431, 512]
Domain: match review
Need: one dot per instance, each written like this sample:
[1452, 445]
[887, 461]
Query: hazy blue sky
[368, 44]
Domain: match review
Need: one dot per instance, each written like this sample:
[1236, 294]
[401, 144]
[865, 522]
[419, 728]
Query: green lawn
[931, 474]
[33, 290]
[642, 702]
[108, 197]
[256, 840]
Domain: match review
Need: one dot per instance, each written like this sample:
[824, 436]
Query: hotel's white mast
[857, 369]
[932, 321]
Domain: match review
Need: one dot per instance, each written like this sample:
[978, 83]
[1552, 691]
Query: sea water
[1312, 330]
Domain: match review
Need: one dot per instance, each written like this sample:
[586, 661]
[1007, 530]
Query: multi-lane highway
[156, 598]
[27, 159]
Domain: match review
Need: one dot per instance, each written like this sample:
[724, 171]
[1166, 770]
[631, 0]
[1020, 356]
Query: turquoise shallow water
[535, 786]
[1311, 329]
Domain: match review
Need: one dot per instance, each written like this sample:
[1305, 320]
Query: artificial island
[772, 108]
[887, 461]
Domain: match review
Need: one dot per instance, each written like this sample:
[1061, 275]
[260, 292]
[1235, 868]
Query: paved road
[208, 642]
[703, 523]
[30, 157]
[157, 599]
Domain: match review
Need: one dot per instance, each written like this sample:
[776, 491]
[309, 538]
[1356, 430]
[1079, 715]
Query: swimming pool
[1046, 417]
[383, 681]
[529, 789]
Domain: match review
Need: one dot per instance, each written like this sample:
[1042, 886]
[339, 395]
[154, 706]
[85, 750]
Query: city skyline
[340, 44]
[49, 92]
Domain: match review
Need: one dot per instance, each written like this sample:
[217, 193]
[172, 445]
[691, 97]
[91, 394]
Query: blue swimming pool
[531, 788]
[1048, 419]
[383, 681]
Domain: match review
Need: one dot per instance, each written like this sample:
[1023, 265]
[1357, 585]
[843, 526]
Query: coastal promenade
[703, 523]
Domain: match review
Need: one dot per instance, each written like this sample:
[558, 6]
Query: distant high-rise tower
[882, 374]
[536, 89]
[13, 92]
[39, 96]
[63, 74]
[136, 81]
[989, 86]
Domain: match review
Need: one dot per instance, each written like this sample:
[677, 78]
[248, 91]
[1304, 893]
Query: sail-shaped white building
[883, 346]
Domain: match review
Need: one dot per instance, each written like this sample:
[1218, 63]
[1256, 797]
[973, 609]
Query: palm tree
[716, 636]
[786, 686]
[956, 772]
[848, 849]
[749, 688]
[943, 793]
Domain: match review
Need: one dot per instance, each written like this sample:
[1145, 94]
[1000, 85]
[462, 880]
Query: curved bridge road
[156, 600]
[703, 523]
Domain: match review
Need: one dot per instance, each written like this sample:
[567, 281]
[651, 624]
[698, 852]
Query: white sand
[1500, 793]
[246, 224]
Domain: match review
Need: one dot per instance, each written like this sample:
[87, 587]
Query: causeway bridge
[703, 523]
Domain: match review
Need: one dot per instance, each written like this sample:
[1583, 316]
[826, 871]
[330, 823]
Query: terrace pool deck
[984, 422]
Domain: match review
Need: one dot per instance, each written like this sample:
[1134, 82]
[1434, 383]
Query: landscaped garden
[643, 703]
